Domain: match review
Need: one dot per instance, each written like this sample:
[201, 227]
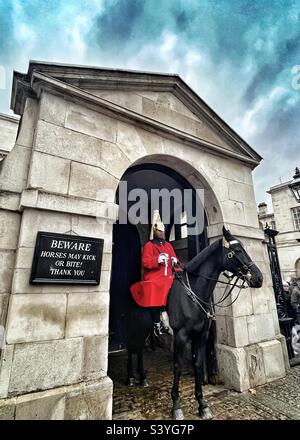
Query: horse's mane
[193, 265]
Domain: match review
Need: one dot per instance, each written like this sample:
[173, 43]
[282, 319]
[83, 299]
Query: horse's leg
[179, 346]
[199, 347]
[140, 369]
[130, 375]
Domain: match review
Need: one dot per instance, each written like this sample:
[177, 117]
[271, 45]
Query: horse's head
[237, 261]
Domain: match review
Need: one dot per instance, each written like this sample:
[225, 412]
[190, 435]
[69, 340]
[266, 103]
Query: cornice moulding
[9, 118]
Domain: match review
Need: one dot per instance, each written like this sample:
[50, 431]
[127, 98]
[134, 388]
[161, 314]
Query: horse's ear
[227, 234]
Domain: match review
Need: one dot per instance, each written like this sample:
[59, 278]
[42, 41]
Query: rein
[224, 282]
[240, 276]
[210, 314]
[196, 300]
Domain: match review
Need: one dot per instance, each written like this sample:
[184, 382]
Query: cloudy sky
[241, 56]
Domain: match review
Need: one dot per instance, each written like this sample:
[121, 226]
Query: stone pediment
[165, 107]
[163, 100]
[8, 132]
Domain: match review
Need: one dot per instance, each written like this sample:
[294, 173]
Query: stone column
[250, 348]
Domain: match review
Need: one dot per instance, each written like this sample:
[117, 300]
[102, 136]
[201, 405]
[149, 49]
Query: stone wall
[248, 333]
[56, 336]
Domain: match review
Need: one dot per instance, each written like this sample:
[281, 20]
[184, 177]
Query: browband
[228, 243]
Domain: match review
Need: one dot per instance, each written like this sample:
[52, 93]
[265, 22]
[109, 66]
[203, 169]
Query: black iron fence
[286, 322]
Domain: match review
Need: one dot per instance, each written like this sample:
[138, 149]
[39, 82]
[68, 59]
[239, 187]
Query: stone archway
[194, 179]
[149, 169]
[197, 179]
[147, 174]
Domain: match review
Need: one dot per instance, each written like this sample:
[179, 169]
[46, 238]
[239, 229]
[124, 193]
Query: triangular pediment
[163, 98]
[165, 107]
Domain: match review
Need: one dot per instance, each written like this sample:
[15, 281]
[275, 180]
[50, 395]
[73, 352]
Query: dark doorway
[125, 271]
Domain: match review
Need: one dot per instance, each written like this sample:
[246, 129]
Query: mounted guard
[190, 308]
[158, 261]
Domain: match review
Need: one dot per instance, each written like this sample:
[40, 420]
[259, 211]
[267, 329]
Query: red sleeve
[149, 257]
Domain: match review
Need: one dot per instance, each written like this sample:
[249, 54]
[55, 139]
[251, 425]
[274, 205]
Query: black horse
[190, 311]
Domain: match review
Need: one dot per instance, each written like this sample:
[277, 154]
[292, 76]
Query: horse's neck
[209, 271]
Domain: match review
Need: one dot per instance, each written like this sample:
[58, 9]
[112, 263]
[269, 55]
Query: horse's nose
[256, 281]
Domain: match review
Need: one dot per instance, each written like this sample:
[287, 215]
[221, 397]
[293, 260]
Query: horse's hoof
[131, 382]
[144, 383]
[177, 414]
[206, 414]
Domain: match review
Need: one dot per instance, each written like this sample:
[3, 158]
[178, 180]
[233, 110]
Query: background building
[265, 217]
[286, 219]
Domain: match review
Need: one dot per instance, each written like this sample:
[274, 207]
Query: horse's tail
[139, 326]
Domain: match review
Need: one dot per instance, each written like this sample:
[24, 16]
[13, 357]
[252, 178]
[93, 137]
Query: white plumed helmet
[156, 223]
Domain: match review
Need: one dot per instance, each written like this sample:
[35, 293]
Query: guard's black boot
[160, 329]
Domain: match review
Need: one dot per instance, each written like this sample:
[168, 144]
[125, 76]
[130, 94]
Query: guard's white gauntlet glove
[174, 261]
[162, 258]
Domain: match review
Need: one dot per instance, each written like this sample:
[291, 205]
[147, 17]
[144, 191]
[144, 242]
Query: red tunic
[157, 281]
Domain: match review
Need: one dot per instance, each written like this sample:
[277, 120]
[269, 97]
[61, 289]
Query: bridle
[244, 267]
[239, 276]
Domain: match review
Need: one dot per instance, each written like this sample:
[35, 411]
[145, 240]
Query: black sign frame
[37, 278]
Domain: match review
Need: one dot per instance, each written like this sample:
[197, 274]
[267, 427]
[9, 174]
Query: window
[172, 234]
[183, 226]
[296, 217]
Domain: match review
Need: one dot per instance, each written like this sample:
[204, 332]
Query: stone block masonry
[72, 148]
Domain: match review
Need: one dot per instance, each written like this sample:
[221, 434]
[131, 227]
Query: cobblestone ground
[279, 400]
